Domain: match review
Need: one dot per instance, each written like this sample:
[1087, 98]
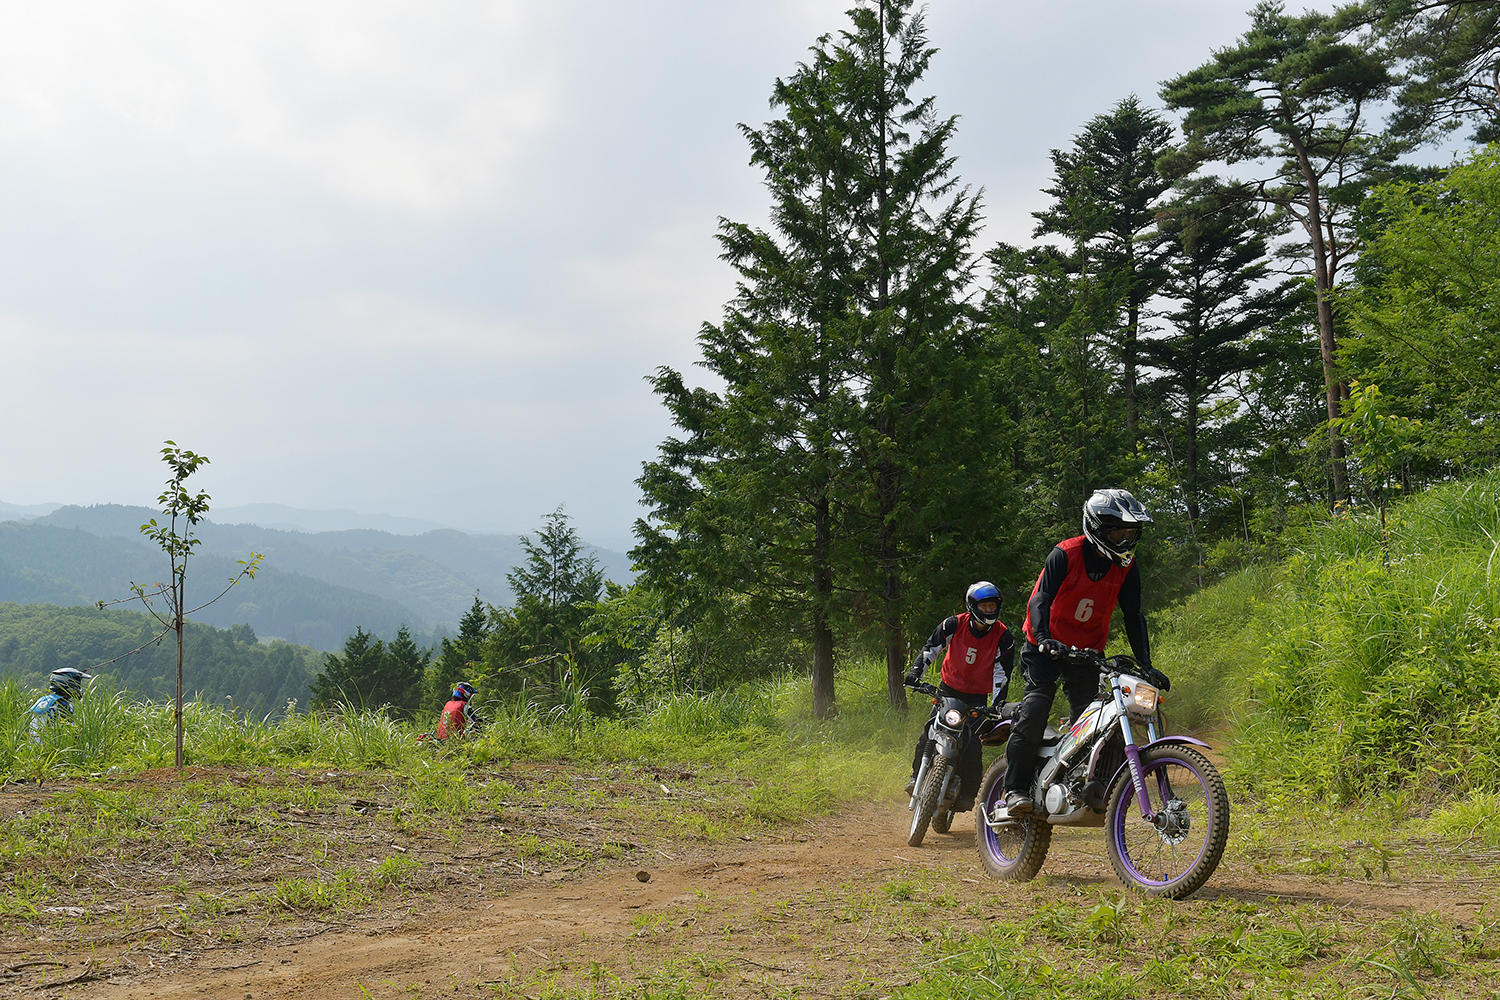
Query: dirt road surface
[791, 913]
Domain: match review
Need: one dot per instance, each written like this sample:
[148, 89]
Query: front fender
[1169, 740]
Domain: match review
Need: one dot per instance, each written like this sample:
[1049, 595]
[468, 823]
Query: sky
[418, 259]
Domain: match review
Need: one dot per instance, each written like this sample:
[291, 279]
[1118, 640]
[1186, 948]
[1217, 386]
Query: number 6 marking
[1085, 610]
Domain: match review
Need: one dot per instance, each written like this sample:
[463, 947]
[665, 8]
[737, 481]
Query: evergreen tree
[1294, 98]
[540, 638]
[928, 435]
[457, 658]
[1223, 307]
[353, 678]
[1105, 191]
[1451, 54]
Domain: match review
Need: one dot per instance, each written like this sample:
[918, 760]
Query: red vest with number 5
[1082, 608]
[969, 664]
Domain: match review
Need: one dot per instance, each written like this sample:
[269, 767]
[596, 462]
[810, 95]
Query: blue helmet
[464, 691]
[983, 591]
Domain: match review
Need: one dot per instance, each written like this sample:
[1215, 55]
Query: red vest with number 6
[969, 664]
[1082, 608]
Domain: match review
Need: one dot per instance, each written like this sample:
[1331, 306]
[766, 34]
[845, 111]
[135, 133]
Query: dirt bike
[935, 790]
[1163, 805]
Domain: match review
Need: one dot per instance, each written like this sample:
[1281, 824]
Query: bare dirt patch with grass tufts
[264, 885]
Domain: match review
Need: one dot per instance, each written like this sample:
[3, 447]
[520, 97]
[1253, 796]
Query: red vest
[1082, 607]
[452, 721]
[969, 664]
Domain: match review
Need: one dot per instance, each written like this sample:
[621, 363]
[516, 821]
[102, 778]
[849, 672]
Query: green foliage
[1374, 677]
[373, 674]
[232, 666]
[1425, 319]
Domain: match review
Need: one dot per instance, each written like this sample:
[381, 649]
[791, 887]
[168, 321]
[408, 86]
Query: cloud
[423, 109]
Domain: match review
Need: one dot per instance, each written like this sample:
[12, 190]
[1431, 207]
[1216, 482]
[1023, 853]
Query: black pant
[1080, 681]
[971, 761]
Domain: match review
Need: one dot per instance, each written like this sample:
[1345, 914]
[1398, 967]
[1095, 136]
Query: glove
[1052, 647]
[1151, 675]
[913, 677]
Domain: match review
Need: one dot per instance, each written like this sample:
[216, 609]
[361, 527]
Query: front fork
[1133, 757]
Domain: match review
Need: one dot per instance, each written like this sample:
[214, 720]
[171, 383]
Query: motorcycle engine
[1060, 799]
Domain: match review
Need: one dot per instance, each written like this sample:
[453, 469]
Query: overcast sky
[416, 259]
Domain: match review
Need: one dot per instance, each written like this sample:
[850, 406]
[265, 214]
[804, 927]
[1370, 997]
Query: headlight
[953, 718]
[1140, 697]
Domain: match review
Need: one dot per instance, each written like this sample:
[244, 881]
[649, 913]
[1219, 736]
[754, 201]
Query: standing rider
[1075, 595]
[457, 713]
[980, 654]
[66, 684]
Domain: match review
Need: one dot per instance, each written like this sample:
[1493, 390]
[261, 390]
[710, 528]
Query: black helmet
[67, 681]
[1112, 520]
[983, 591]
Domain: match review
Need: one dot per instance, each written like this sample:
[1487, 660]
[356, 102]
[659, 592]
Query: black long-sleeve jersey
[1095, 564]
[1005, 653]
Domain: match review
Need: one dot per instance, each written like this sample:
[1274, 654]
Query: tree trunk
[822, 670]
[1334, 390]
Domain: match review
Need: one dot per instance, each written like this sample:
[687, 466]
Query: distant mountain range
[315, 587]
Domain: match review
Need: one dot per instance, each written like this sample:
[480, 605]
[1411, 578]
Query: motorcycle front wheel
[928, 797]
[1012, 850]
[1175, 853]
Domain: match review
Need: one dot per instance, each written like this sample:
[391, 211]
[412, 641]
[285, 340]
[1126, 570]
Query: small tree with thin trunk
[180, 507]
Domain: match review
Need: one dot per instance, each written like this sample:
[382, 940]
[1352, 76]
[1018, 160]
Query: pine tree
[1294, 99]
[1223, 308]
[1105, 192]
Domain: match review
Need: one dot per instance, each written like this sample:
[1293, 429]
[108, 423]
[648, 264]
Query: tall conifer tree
[1294, 99]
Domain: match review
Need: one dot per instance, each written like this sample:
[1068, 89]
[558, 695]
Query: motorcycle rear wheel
[1175, 855]
[1015, 851]
[943, 821]
[927, 800]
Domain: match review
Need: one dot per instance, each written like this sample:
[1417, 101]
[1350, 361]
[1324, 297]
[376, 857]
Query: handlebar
[1113, 664]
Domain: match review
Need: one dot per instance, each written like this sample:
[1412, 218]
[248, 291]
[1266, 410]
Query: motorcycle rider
[980, 654]
[457, 713]
[66, 684]
[1083, 580]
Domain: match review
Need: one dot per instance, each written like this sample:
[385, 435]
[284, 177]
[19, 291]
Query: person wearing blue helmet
[66, 684]
[457, 713]
[978, 654]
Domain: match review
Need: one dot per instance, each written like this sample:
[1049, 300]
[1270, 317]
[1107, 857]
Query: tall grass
[763, 732]
[1376, 673]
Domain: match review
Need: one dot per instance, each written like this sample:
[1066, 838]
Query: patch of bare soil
[797, 911]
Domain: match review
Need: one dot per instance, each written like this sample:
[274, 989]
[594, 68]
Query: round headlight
[953, 718]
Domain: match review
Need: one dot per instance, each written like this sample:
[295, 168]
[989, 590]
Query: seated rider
[457, 713]
[1082, 582]
[66, 684]
[978, 661]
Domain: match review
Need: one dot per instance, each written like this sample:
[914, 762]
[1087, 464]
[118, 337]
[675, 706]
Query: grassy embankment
[1359, 701]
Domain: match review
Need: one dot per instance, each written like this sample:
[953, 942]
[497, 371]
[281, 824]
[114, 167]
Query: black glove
[1052, 647]
[1154, 677]
[914, 677]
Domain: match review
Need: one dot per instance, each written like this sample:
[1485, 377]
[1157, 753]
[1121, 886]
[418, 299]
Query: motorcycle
[935, 790]
[1163, 805]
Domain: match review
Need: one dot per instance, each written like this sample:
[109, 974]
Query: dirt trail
[788, 911]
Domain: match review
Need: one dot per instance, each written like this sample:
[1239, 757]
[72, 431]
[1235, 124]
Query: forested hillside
[226, 667]
[314, 588]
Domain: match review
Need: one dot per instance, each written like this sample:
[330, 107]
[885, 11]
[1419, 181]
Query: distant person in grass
[67, 685]
[978, 654]
[458, 713]
[1081, 583]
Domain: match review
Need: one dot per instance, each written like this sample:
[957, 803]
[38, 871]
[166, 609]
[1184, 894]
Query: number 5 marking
[973, 654]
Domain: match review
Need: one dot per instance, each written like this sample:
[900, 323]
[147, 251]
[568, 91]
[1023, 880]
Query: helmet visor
[1121, 537]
